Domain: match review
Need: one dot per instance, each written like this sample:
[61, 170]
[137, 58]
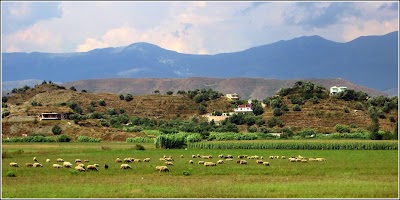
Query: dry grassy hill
[322, 116]
[254, 88]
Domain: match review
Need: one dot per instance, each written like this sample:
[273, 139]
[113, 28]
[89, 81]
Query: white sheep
[209, 164]
[60, 160]
[229, 159]
[162, 168]
[266, 163]
[201, 162]
[181, 156]
[221, 156]
[96, 165]
[137, 160]
[34, 159]
[78, 160]
[169, 163]
[37, 165]
[169, 159]
[242, 162]
[259, 161]
[127, 160]
[91, 167]
[67, 164]
[81, 169]
[13, 164]
[29, 164]
[86, 161]
[81, 165]
[118, 160]
[146, 160]
[125, 166]
[320, 159]
[193, 156]
[47, 160]
[190, 161]
[271, 157]
[283, 157]
[57, 166]
[220, 162]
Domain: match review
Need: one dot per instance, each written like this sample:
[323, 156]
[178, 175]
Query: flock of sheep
[168, 161]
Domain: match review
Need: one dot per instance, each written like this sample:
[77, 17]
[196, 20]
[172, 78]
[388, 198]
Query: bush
[56, 130]
[342, 128]
[121, 97]
[102, 102]
[128, 97]
[139, 147]
[346, 109]
[10, 174]
[296, 107]
[285, 107]
[277, 112]
[307, 133]
[63, 138]
[88, 139]
[195, 137]
[140, 140]
[252, 129]
[170, 141]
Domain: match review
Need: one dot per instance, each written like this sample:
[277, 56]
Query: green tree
[202, 109]
[128, 97]
[56, 130]
[169, 92]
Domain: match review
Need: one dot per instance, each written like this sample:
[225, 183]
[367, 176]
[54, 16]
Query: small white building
[243, 108]
[50, 116]
[233, 96]
[336, 89]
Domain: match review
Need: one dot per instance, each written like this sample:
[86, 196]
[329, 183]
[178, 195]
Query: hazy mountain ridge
[371, 61]
[254, 88]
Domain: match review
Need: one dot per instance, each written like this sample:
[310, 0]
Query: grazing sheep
[229, 156]
[242, 162]
[29, 164]
[262, 157]
[34, 159]
[209, 164]
[91, 167]
[198, 155]
[276, 157]
[81, 169]
[201, 162]
[271, 157]
[301, 157]
[81, 165]
[266, 163]
[96, 165]
[190, 161]
[127, 160]
[78, 161]
[298, 160]
[193, 156]
[292, 159]
[221, 156]
[283, 157]
[259, 161]
[162, 159]
[146, 160]
[206, 157]
[37, 165]
[57, 166]
[118, 160]
[13, 164]
[320, 159]
[168, 159]
[60, 160]
[137, 160]
[312, 159]
[125, 166]
[105, 166]
[240, 156]
[67, 164]
[181, 156]
[47, 160]
[220, 162]
[86, 161]
[162, 168]
[229, 159]
[169, 163]
[303, 160]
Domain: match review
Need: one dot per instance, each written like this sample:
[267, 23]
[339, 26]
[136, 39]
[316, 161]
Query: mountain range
[370, 61]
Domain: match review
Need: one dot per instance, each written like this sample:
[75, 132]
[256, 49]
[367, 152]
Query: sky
[193, 27]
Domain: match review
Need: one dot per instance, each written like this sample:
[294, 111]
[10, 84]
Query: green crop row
[140, 140]
[297, 145]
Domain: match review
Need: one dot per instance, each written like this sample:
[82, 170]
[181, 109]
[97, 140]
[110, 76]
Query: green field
[344, 174]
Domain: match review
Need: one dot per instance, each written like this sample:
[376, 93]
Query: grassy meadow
[344, 174]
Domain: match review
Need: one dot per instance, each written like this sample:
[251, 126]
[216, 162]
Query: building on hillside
[50, 116]
[233, 96]
[336, 89]
[243, 108]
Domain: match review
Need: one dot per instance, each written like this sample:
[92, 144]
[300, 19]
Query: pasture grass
[345, 173]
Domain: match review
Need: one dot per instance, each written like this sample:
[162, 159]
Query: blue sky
[187, 27]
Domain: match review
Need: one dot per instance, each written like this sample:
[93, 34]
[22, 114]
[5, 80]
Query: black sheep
[106, 166]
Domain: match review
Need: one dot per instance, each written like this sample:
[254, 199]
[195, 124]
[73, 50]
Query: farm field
[344, 174]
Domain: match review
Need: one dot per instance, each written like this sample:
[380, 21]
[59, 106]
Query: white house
[336, 89]
[243, 108]
[233, 96]
[50, 116]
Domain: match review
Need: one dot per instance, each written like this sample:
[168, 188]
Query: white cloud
[191, 27]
